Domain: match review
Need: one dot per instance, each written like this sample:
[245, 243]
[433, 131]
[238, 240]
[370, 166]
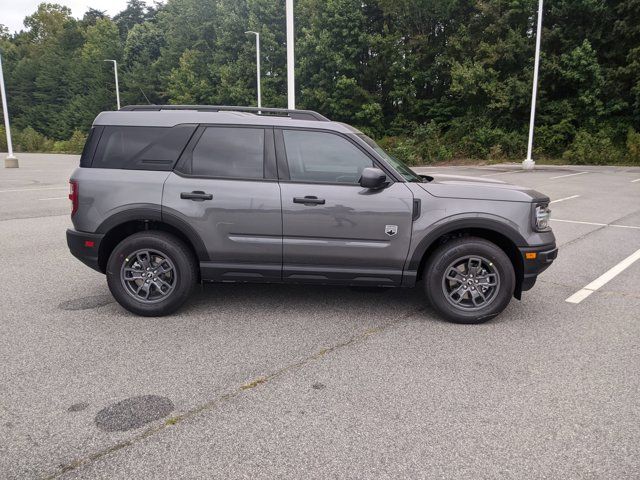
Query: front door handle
[309, 200]
[196, 196]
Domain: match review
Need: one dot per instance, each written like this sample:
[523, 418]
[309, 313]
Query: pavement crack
[236, 392]
[582, 237]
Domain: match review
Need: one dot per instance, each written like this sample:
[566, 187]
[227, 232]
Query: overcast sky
[12, 12]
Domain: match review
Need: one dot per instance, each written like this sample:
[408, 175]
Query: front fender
[484, 221]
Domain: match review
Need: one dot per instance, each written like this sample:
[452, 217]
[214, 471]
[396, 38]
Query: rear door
[225, 187]
[335, 231]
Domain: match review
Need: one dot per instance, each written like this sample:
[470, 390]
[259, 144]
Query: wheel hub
[471, 283]
[148, 275]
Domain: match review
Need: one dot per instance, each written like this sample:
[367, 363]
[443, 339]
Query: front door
[225, 188]
[335, 231]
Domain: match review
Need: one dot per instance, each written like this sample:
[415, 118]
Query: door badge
[391, 230]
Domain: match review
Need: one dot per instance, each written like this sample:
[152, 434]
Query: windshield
[408, 174]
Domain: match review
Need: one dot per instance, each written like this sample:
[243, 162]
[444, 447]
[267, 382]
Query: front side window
[229, 152]
[323, 157]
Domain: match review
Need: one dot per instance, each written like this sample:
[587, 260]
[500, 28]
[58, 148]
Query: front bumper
[536, 260]
[85, 247]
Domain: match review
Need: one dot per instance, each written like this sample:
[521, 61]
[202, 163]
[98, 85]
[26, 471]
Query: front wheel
[151, 273]
[469, 280]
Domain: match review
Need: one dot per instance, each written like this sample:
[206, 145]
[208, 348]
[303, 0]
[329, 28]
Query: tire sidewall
[178, 254]
[447, 254]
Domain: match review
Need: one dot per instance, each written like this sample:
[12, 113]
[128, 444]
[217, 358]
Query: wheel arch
[123, 224]
[504, 236]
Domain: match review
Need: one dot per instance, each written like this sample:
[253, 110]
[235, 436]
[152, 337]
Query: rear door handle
[196, 196]
[309, 200]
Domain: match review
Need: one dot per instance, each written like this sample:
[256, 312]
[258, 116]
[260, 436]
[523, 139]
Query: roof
[156, 116]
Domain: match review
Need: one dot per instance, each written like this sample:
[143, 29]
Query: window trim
[184, 166]
[283, 164]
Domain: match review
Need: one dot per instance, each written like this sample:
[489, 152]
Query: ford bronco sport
[169, 196]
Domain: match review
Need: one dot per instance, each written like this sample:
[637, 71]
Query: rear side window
[141, 148]
[90, 146]
[229, 152]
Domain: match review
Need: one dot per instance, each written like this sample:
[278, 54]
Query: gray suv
[169, 196]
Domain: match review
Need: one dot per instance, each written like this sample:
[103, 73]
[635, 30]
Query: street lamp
[11, 161]
[291, 81]
[528, 163]
[115, 70]
[257, 63]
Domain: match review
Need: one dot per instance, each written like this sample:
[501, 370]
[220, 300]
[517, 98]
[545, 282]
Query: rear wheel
[469, 280]
[151, 273]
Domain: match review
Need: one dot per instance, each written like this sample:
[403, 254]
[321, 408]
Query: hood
[457, 186]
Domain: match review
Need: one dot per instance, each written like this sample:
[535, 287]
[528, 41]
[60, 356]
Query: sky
[12, 12]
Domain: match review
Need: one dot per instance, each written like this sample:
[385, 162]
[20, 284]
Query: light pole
[115, 70]
[11, 161]
[257, 64]
[528, 163]
[291, 81]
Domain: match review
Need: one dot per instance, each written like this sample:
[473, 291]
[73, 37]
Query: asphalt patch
[78, 407]
[133, 412]
[86, 303]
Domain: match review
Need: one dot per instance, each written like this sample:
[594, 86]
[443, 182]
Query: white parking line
[636, 180]
[54, 198]
[595, 224]
[603, 279]
[34, 189]
[563, 199]
[569, 175]
[501, 173]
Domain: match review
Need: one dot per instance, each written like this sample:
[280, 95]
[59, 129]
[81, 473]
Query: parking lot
[273, 381]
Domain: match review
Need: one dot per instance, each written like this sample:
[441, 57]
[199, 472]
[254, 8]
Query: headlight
[541, 217]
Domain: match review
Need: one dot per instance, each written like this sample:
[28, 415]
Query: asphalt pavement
[274, 381]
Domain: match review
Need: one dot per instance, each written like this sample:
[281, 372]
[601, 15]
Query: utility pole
[11, 161]
[257, 64]
[528, 163]
[291, 81]
[115, 70]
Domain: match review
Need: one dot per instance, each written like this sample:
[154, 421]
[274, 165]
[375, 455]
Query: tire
[456, 286]
[168, 262]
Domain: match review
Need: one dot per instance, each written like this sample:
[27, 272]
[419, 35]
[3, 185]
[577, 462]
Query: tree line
[431, 79]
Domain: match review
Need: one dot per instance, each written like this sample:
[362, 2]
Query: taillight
[73, 196]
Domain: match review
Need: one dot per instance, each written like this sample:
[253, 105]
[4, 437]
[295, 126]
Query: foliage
[432, 79]
[3, 139]
[592, 148]
[31, 141]
[74, 145]
[633, 147]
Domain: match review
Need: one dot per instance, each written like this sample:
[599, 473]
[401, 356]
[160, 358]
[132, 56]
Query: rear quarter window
[90, 146]
[141, 148]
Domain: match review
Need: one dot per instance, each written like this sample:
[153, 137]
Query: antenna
[145, 97]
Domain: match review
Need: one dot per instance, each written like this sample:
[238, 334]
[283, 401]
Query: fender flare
[155, 213]
[447, 225]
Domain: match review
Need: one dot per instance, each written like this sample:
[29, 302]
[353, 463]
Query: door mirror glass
[373, 178]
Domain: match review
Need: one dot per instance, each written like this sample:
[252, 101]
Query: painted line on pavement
[569, 175]
[501, 173]
[563, 199]
[595, 224]
[54, 198]
[603, 279]
[34, 189]
[636, 180]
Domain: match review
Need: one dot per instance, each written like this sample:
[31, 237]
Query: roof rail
[294, 114]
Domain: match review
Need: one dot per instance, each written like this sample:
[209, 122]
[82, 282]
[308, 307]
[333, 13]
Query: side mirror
[373, 178]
